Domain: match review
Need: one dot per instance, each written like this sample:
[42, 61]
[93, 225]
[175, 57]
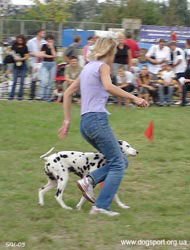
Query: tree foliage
[109, 11]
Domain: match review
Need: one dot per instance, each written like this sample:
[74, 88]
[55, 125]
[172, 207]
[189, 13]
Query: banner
[151, 34]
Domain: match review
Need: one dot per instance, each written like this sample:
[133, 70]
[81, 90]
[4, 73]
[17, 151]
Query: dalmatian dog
[59, 165]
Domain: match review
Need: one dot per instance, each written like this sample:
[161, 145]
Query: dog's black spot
[128, 146]
[42, 188]
[72, 169]
[58, 158]
[80, 175]
[85, 168]
[55, 160]
[61, 179]
[64, 156]
[58, 192]
[48, 164]
[96, 157]
[87, 160]
[99, 163]
[92, 164]
[50, 175]
[74, 162]
[80, 155]
[62, 166]
[57, 177]
[63, 170]
[72, 153]
[120, 142]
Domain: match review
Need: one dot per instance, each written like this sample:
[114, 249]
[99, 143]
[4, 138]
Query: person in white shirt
[166, 85]
[34, 47]
[187, 53]
[156, 55]
[125, 81]
[135, 69]
[177, 60]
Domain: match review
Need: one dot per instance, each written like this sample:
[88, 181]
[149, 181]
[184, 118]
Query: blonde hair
[103, 47]
[120, 35]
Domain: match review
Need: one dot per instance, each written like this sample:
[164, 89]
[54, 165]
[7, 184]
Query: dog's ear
[120, 142]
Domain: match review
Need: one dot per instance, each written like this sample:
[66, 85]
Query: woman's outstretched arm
[67, 101]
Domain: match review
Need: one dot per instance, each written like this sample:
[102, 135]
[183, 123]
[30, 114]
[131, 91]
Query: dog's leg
[62, 182]
[119, 203]
[51, 184]
[81, 202]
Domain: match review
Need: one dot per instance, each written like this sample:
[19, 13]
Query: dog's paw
[69, 208]
[124, 206]
[78, 208]
[41, 204]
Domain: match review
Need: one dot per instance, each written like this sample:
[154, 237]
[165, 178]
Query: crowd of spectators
[161, 75]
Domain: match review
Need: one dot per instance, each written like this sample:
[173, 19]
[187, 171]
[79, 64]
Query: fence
[12, 27]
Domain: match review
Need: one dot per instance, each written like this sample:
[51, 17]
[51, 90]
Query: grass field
[156, 185]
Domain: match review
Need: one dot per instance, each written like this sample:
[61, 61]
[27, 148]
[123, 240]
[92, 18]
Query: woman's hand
[63, 131]
[140, 102]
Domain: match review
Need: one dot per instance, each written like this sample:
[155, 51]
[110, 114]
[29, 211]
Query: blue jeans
[96, 130]
[165, 97]
[18, 72]
[47, 76]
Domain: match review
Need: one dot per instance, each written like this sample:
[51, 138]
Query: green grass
[156, 185]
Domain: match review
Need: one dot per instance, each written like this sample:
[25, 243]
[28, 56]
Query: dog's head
[127, 149]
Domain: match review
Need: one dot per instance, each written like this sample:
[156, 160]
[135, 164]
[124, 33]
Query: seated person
[125, 80]
[166, 84]
[185, 83]
[72, 71]
[57, 94]
[144, 81]
[135, 69]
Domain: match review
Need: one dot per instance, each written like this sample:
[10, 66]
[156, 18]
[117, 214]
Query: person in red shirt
[173, 36]
[133, 45]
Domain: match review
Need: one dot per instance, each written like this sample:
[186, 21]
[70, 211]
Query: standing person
[173, 36]
[177, 60]
[157, 55]
[20, 55]
[34, 46]
[48, 70]
[133, 45]
[88, 47]
[72, 50]
[95, 85]
[123, 55]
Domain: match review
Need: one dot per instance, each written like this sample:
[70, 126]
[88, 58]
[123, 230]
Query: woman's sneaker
[96, 210]
[87, 189]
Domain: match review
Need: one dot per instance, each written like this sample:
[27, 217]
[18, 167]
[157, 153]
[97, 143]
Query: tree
[51, 10]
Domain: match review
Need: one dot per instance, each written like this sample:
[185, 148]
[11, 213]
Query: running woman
[95, 85]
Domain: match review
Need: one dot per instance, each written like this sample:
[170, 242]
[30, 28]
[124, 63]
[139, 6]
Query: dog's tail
[46, 154]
